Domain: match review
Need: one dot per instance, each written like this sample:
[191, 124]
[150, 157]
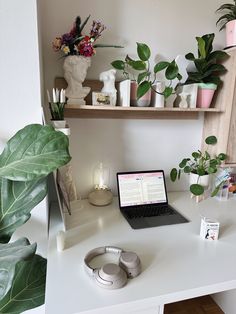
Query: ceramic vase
[144, 101]
[231, 33]
[205, 95]
[158, 100]
[75, 71]
[202, 180]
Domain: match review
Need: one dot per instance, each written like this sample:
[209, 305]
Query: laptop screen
[141, 188]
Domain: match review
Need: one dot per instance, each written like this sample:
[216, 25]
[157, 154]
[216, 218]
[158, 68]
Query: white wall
[20, 92]
[169, 28]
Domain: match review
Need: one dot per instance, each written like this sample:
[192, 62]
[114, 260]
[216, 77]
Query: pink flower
[85, 48]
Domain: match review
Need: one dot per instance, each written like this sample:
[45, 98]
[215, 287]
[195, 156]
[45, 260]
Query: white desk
[177, 263]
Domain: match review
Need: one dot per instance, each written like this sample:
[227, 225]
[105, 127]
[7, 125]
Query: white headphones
[112, 276]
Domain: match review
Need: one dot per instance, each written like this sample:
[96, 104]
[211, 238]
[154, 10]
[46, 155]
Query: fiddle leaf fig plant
[146, 76]
[200, 163]
[30, 155]
[208, 68]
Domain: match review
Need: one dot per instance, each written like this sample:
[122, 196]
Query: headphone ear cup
[130, 262]
[110, 276]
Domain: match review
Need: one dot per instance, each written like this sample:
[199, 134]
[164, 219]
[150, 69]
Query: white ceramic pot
[202, 180]
[158, 100]
[75, 71]
[59, 124]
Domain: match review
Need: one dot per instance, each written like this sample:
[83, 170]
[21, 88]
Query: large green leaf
[143, 51]
[10, 255]
[34, 152]
[17, 200]
[172, 70]
[28, 286]
[143, 88]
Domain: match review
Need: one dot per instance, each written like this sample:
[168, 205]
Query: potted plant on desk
[30, 155]
[228, 21]
[199, 166]
[207, 70]
[143, 82]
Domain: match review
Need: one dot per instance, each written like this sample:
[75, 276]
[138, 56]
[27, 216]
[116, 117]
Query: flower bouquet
[75, 43]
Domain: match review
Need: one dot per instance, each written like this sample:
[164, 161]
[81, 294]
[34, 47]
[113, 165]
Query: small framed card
[101, 99]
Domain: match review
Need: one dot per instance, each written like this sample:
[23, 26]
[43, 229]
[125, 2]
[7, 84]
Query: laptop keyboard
[149, 211]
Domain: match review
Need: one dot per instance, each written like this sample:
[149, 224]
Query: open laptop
[143, 199]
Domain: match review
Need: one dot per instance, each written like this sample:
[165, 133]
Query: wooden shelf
[117, 112]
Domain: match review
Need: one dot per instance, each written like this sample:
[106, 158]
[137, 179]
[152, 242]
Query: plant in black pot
[143, 76]
[30, 155]
[207, 69]
[228, 21]
[200, 165]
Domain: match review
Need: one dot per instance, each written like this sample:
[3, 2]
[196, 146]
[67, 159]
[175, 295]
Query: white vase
[58, 124]
[169, 102]
[158, 100]
[202, 180]
[75, 71]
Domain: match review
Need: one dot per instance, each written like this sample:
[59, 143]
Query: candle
[57, 95]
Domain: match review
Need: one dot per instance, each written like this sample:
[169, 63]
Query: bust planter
[75, 68]
[205, 94]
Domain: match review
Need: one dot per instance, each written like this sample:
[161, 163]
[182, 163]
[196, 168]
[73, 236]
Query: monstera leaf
[34, 152]
[17, 200]
[23, 277]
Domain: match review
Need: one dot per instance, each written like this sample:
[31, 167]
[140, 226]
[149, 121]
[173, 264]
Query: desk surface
[177, 263]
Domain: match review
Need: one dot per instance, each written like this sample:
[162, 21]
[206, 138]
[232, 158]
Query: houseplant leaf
[118, 64]
[160, 66]
[34, 152]
[196, 189]
[211, 140]
[173, 174]
[17, 200]
[138, 65]
[28, 286]
[10, 255]
[143, 88]
[142, 76]
[201, 47]
[172, 71]
[143, 51]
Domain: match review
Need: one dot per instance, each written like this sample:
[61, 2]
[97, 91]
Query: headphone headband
[96, 252]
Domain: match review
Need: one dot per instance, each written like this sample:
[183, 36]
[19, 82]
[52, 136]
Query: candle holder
[101, 195]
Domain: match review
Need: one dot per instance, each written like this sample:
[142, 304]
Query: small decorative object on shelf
[101, 196]
[145, 79]
[207, 70]
[101, 99]
[108, 79]
[200, 166]
[228, 21]
[78, 50]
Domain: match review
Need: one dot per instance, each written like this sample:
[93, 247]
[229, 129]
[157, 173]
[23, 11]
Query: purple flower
[67, 39]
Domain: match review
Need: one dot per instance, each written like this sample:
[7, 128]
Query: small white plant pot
[158, 100]
[169, 102]
[59, 124]
[202, 180]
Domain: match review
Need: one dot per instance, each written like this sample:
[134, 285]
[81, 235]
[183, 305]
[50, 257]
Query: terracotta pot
[144, 101]
[231, 33]
[205, 95]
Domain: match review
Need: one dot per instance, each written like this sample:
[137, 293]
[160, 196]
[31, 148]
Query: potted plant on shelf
[144, 79]
[57, 108]
[207, 69]
[199, 166]
[30, 155]
[228, 21]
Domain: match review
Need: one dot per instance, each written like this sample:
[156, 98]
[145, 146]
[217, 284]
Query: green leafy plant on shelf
[147, 77]
[201, 164]
[30, 155]
[207, 67]
[229, 10]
